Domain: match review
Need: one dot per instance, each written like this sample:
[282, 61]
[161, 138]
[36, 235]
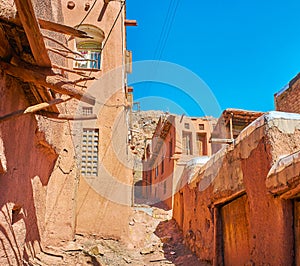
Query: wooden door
[235, 232]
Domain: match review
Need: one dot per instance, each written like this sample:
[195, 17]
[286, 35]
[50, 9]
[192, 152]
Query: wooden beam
[67, 116]
[5, 48]
[52, 26]
[41, 106]
[31, 109]
[130, 22]
[80, 73]
[54, 82]
[33, 33]
[48, 25]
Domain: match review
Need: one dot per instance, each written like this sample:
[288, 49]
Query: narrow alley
[154, 240]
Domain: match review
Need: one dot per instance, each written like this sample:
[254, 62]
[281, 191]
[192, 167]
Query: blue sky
[244, 51]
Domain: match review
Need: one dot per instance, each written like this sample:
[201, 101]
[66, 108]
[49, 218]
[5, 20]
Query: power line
[123, 4]
[168, 23]
[169, 30]
[164, 27]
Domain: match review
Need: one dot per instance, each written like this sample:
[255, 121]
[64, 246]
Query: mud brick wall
[227, 212]
[289, 100]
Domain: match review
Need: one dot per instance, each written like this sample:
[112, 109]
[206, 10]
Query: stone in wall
[143, 126]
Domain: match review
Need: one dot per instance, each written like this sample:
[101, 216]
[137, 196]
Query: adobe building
[241, 207]
[288, 99]
[51, 168]
[176, 140]
[229, 126]
[104, 192]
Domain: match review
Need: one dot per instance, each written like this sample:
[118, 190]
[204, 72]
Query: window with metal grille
[89, 152]
[87, 111]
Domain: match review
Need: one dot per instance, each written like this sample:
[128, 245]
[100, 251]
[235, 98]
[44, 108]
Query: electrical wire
[110, 31]
[163, 28]
[116, 19]
[86, 15]
[169, 30]
[164, 36]
[168, 23]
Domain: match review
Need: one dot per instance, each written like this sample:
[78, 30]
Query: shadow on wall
[23, 189]
[141, 199]
[174, 249]
[138, 193]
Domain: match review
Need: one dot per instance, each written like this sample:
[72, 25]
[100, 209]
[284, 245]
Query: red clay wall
[32, 182]
[104, 202]
[37, 177]
[227, 210]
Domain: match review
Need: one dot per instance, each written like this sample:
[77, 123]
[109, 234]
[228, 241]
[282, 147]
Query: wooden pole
[5, 48]
[33, 33]
[130, 22]
[54, 82]
[52, 26]
[67, 116]
[31, 109]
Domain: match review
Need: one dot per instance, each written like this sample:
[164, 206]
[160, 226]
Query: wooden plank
[5, 48]
[31, 109]
[33, 33]
[130, 22]
[52, 26]
[54, 82]
[41, 106]
[67, 116]
[48, 25]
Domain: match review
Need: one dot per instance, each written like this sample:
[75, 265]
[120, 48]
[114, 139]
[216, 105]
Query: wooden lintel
[52, 26]
[54, 82]
[130, 22]
[33, 33]
[67, 116]
[31, 109]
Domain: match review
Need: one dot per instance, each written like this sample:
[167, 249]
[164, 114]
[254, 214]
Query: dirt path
[154, 240]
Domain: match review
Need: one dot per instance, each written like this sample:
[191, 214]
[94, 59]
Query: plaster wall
[103, 202]
[38, 180]
[201, 206]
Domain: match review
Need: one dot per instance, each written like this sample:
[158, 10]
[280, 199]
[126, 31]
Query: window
[90, 55]
[201, 144]
[186, 125]
[170, 149]
[187, 143]
[162, 164]
[165, 187]
[201, 126]
[156, 171]
[89, 50]
[86, 111]
[89, 152]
